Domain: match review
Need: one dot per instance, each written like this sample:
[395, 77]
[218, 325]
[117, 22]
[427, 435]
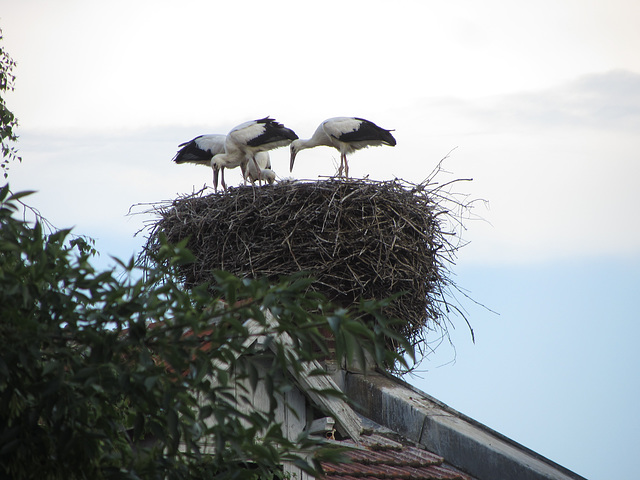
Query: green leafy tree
[8, 121]
[111, 376]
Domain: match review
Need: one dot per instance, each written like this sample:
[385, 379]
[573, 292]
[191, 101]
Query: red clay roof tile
[377, 457]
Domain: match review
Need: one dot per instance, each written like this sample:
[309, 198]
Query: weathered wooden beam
[322, 425]
[347, 421]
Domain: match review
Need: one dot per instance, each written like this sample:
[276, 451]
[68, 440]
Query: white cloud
[156, 63]
[605, 101]
[558, 166]
[562, 187]
[105, 93]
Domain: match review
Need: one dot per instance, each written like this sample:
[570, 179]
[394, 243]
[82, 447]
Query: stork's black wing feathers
[368, 131]
[272, 132]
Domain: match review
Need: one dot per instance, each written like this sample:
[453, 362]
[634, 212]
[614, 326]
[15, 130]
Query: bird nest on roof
[360, 239]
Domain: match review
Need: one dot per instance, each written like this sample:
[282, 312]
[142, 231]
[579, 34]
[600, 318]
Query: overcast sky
[538, 103]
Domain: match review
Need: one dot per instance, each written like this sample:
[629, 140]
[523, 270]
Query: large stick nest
[358, 238]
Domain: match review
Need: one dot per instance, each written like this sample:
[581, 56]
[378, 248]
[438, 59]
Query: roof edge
[463, 442]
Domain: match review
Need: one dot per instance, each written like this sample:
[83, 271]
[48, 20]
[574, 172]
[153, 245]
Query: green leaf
[17, 196]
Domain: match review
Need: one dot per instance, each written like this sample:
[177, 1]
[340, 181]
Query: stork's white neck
[301, 144]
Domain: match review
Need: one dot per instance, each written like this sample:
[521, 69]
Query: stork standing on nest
[346, 134]
[246, 140]
[201, 150]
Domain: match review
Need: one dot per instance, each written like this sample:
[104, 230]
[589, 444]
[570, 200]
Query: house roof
[401, 432]
[376, 457]
[398, 432]
[429, 429]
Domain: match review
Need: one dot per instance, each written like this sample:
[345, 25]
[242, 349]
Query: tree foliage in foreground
[8, 121]
[122, 376]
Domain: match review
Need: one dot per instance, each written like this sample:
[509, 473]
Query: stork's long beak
[216, 172]
[293, 159]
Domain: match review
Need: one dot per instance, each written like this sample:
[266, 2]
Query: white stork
[248, 139]
[261, 169]
[201, 151]
[346, 134]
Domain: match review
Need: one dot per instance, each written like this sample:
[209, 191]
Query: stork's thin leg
[346, 167]
[224, 185]
[343, 163]
[243, 170]
[255, 164]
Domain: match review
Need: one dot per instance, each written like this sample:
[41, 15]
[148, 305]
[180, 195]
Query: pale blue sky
[539, 102]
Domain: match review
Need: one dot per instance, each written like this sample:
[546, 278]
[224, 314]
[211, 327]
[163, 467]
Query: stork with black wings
[346, 134]
[246, 140]
[201, 150]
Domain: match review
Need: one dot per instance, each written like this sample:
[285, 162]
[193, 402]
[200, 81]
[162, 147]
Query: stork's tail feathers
[188, 158]
[190, 152]
[387, 138]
